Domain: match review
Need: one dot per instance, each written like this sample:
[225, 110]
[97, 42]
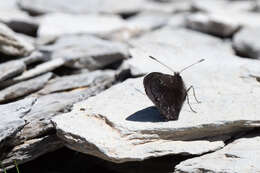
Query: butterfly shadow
[149, 114]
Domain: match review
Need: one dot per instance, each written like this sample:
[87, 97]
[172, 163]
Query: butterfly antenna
[192, 65]
[162, 63]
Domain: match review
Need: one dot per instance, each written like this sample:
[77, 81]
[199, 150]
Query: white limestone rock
[242, 155]
[52, 25]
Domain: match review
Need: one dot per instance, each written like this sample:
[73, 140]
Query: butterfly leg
[191, 87]
[189, 102]
[194, 95]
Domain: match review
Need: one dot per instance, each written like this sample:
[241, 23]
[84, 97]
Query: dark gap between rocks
[65, 71]
[66, 161]
[23, 27]
[215, 34]
[246, 134]
[6, 58]
[128, 15]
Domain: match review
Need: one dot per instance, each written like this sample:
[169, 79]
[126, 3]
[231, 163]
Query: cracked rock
[242, 155]
[31, 139]
[30, 150]
[11, 120]
[247, 43]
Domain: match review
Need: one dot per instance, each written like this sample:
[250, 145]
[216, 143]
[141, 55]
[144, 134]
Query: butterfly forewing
[167, 92]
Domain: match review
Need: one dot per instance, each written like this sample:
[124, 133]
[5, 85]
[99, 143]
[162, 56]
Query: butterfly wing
[167, 92]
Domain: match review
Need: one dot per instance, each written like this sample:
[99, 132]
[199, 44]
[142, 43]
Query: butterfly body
[167, 92]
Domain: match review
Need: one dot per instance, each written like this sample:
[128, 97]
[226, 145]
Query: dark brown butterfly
[168, 92]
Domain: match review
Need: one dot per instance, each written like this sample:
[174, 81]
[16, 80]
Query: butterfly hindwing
[167, 92]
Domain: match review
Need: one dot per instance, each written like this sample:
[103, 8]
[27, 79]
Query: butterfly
[168, 92]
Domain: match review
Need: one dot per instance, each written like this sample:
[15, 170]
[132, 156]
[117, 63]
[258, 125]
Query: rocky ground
[72, 96]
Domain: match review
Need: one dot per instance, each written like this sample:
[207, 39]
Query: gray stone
[71, 47]
[212, 24]
[178, 20]
[242, 155]
[41, 69]
[102, 6]
[11, 4]
[52, 25]
[147, 21]
[79, 7]
[247, 43]
[121, 142]
[221, 6]
[85, 51]
[229, 12]
[76, 81]
[50, 105]
[11, 69]
[19, 21]
[24, 88]
[135, 129]
[11, 119]
[12, 44]
[180, 37]
[35, 57]
[30, 150]
[35, 137]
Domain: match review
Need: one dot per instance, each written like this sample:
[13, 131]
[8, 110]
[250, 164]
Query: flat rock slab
[218, 25]
[19, 21]
[101, 6]
[86, 51]
[52, 25]
[247, 43]
[134, 130]
[12, 44]
[119, 144]
[147, 21]
[11, 69]
[178, 40]
[41, 69]
[79, 7]
[242, 155]
[221, 6]
[76, 81]
[24, 88]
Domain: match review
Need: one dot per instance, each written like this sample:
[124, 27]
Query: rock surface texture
[242, 155]
[71, 82]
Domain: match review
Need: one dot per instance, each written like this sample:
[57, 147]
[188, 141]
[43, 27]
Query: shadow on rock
[149, 114]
